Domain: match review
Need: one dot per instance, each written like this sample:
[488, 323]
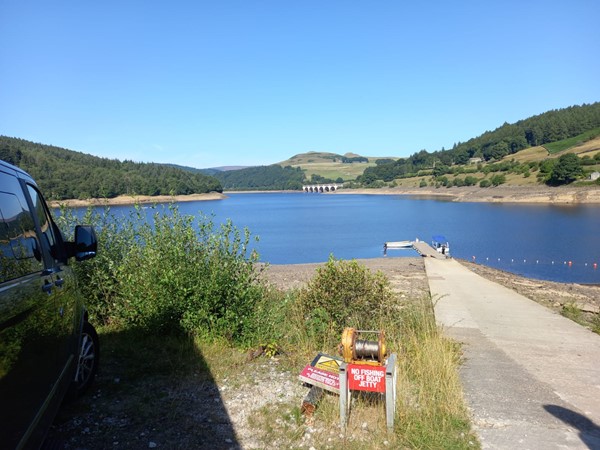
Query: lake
[560, 243]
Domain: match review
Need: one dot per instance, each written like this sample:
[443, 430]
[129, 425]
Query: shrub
[470, 181]
[100, 277]
[498, 179]
[485, 183]
[458, 182]
[343, 294]
[176, 273]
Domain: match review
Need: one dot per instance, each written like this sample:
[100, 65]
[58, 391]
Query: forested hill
[551, 126]
[66, 174]
[266, 178]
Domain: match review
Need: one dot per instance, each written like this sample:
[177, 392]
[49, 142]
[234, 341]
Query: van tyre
[88, 359]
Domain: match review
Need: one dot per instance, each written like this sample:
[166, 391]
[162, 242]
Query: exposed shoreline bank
[137, 199]
[501, 194]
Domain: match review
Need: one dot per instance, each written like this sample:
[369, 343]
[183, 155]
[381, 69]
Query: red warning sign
[323, 371]
[366, 378]
[321, 378]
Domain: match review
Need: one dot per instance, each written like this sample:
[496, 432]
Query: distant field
[529, 154]
[329, 165]
[582, 139]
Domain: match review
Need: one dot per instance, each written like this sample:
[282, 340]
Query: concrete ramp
[531, 377]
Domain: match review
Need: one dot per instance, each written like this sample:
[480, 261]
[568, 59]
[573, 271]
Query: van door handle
[47, 287]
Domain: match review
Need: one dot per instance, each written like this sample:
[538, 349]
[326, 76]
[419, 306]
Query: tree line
[273, 177]
[66, 174]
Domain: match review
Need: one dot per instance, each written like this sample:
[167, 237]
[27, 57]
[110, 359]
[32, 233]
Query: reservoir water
[560, 243]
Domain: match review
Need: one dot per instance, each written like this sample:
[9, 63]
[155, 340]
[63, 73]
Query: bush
[470, 181]
[174, 274]
[100, 277]
[566, 170]
[344, 294]
[498, 179]
[485, 183]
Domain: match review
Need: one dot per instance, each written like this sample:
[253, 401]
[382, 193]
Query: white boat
[397, 245]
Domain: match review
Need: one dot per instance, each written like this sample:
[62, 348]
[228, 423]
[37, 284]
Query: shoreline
[564, 195]
[136, 199]
[501, 194]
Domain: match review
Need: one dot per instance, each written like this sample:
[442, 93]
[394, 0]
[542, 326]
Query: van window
[20, 251]
[44, 220]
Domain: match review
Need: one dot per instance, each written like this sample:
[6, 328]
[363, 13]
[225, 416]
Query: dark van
[47, 346]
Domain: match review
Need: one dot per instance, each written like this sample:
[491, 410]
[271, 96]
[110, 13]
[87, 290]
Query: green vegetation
[586, 319]
[344, 294]
[570, 126]
[177, 273]
[65, 174]
[559, 146]
[265, 178]
[185, 280]
[566, 170]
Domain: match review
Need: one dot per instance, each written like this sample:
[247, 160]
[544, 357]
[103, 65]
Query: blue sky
[219, 83]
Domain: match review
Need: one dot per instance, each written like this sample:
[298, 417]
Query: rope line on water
[568, 263]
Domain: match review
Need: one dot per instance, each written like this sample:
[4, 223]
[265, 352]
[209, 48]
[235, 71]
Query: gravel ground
[202, 411]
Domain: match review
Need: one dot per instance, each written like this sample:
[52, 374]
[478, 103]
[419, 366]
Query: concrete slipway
[531, 377]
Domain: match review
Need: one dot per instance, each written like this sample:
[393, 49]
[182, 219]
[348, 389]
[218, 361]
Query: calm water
[537, 241]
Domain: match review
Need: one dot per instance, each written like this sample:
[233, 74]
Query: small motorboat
[440, 243]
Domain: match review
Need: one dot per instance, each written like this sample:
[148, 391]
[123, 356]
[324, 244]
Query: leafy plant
[172, 273]
[344, 293]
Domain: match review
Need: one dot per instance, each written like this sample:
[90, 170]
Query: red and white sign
[317, 377]
[363, 377]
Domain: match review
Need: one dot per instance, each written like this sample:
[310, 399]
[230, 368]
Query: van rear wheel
[89, 357]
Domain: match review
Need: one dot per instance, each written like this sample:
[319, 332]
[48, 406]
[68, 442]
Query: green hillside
[532, 166]
[493, 158]
[262, 178]
[331, 166]
[66, 174]
[573, 142]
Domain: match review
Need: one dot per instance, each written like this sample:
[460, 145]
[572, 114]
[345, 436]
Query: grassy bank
[193, 342]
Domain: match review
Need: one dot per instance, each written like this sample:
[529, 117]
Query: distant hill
[209, 170]
[320, 166]
[66, 174]
[273, 177]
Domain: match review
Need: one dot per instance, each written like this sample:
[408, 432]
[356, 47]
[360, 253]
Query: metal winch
[362, 351]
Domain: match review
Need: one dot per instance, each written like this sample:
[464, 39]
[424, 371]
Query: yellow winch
[355, 350]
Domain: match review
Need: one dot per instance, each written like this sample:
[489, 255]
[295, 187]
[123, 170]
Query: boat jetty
[439, 248]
